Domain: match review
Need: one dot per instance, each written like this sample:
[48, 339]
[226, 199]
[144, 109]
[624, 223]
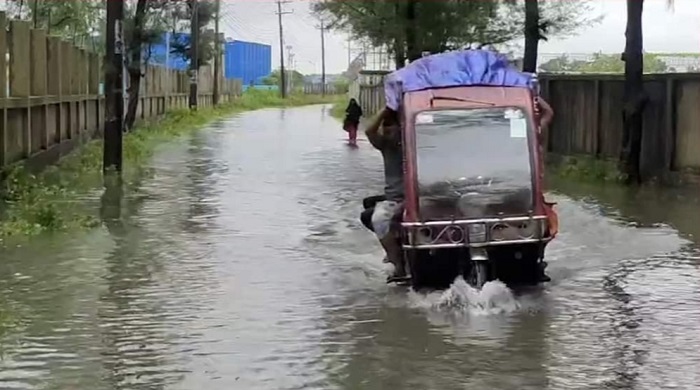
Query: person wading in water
[352, 121]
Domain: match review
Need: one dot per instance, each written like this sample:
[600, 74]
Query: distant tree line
[298, 79]
[410, 28]
[600, 63]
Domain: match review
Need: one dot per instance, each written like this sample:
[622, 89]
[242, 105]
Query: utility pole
[217, 53]
[283, 76]
[290, 69]
[168, 37]
[322, 27]
[114, 93]
[364, 54]
[194, 53]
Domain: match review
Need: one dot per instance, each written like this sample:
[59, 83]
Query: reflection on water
[645, 207]
[240, 264]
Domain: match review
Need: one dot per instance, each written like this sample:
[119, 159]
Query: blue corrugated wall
[247, 61]
[158, 52]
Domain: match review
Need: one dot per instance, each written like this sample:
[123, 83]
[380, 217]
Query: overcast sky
[664, 30]
[256, 20]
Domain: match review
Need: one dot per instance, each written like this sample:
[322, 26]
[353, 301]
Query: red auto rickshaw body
[437, 230]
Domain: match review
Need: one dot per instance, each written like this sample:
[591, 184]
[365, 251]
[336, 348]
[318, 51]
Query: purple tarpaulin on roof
[457, 68]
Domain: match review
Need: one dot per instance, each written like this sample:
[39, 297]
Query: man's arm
[372, 132]
[547, 114]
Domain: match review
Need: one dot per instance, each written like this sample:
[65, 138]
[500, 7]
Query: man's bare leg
[394, 255]
[383, 222]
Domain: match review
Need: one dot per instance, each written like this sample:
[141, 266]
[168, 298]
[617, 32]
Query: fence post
[38, 81]
[670, 124]
[55, 66]
[67, 107]
[3, 91]
[83, 74]
[598, 130]
[93, 90]
[19, 79]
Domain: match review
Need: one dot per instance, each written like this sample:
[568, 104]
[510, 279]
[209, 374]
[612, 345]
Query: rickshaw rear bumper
[476, 233]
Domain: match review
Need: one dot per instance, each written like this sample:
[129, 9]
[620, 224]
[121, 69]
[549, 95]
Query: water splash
[494, 298]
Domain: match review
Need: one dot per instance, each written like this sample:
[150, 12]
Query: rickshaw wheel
[415, 270]
[480, 273]
[432, 271]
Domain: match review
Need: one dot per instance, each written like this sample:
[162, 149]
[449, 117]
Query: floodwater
[240, 264]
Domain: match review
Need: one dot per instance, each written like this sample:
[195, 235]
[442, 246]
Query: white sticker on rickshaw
[518, 128]
[513, 114]
[422, 119]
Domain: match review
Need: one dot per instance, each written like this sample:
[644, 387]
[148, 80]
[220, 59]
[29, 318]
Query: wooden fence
[368, 89]
[588, 117]
[52, 102]
[317, 89]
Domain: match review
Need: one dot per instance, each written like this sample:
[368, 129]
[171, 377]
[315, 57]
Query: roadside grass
[50, 201]
[338, 109]
[586, 168]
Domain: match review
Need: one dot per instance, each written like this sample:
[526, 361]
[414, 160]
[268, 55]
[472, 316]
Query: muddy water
[240, 265]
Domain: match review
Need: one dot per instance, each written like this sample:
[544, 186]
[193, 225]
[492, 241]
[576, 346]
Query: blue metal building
[159, 52]
[248, 61]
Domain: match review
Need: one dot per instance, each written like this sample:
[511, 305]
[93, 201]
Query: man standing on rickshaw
[384, 133]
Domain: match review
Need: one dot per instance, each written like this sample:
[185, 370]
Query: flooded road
[240, 264]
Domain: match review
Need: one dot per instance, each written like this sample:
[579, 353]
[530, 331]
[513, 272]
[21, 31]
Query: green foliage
[601, 63]
[587, 168]
[342, 85]
[274, 78]
[76, 20]
[437, 26]
[83, 23]
[557, 18]
[206, 13]
[338, 109]
[51, 201]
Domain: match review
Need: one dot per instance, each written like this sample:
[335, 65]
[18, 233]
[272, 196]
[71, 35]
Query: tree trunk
[399, 48]
[413, 52]
[135, 49]
[532, 35]
[399, 54]
[635, 96]
[134, 96]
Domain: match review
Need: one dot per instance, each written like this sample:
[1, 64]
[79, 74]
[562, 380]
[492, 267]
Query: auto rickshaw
[473, 171]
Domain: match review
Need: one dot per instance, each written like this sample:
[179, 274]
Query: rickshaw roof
[453, 69]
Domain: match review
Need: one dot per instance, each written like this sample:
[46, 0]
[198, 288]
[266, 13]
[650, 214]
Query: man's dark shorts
[368, 205]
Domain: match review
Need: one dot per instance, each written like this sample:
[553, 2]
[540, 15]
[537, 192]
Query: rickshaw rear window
[473, 162]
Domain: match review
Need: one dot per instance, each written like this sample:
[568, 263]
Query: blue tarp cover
[453, 69]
